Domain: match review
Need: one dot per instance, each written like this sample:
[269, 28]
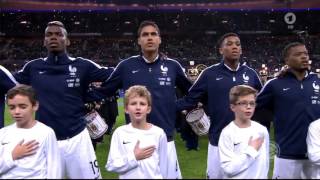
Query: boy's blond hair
[137, 90]
[240, 90]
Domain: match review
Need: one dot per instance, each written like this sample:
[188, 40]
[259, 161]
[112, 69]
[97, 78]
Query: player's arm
[111, 85]
[23, 76]
[313, 143]
[196, 93]
[98, 73]
[182, 81]
[53, 157]
[163, 155]
[264, 102]
[7, 80]
[257, 82]
[119, 160]
[232, 163]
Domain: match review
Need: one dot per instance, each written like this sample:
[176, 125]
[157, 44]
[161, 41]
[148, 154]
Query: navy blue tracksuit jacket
[160, 77]
[295, 104]
[61, 83]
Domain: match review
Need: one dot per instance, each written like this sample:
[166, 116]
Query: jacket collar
[61, 58]
[223, 65]
[146, 60]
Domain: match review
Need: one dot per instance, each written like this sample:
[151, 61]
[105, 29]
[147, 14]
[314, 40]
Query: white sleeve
[163, 155]
[118, 160]
[6, 160]
[267, 146]
[232, 163]
[53, 157]
[313, 143]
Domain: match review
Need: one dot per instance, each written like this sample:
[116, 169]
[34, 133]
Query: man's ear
[68, 42]
[220, 51]
[232, 107]
[36, 106]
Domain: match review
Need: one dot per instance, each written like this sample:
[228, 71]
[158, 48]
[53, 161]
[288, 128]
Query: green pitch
[192, 163]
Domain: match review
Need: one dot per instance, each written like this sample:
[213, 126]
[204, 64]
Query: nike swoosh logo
[235, 144]
[135, 71]
[218, 79]
[125, 142]
[4, 143]
[286, 89]
[42, 72]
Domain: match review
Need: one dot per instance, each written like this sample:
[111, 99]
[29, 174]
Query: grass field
[192, 163]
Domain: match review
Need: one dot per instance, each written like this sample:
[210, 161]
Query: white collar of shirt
[231, 68]
[147, 61]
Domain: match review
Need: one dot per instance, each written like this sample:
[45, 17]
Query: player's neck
[27, 125]
[150, 56]
[300, 75]
[143, 125]
[242, 123]
[233, 64]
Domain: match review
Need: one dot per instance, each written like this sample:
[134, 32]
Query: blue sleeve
[196, 93]
[98, 73]
[112, 84]
[182, 82]
[7, 81]
[258, 84]
[265, 97]
[23, 76]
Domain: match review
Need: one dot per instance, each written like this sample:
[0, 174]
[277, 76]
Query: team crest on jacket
[245, 78]
[164, 70]
[73, 80]
[316, 87]
[72, 70]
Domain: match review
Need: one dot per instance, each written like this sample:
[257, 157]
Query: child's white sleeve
[120, 161]
[6, 160]
[232, 163]
[163, 155]
[54, 165]
[267, 146]
[313, 143]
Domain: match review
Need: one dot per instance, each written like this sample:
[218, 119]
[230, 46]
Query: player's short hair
[137, 90]
[23, 90]
[239, 91]
[148, 23]
[223, 37]
[59, 24]
[288, 47]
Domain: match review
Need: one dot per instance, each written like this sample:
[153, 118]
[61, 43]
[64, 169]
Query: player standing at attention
[243, 143]
[160, 75]
[294, 100]
[213, 85]
[61, 83]
[139, 149]
[45, 162]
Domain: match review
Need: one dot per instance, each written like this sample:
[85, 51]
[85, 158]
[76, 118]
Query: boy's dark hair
[147, 23]
[23, 90]
[240, 90]
[288, 47]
